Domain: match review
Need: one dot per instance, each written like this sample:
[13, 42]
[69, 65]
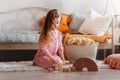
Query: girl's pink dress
[55, 48]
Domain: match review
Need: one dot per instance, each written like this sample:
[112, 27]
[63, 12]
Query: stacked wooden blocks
[60, 67]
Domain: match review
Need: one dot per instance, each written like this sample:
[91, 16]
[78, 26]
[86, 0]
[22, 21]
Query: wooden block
[56, 65]
[65, 69]
[50, 70]
[60, 69]
[73, 69]
[69, 69]
[56, 68]
[60, 65]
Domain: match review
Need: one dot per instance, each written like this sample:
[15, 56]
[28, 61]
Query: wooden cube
[73, 68]
[50, 70]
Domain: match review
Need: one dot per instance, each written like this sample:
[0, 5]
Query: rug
[101, 65]
[28, 66]
[19, 66]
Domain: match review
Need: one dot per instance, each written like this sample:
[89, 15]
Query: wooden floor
[102, 74]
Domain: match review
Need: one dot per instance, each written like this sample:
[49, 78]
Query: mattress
[19, 36]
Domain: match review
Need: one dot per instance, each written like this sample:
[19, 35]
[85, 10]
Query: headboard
[25, 19]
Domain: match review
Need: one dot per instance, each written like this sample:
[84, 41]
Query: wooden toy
[85, 63]
[69, 69]
[65, 69]
[50, 70]
[58, 67]
[73, 69]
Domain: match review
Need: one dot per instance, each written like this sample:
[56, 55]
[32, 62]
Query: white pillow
[95, 24]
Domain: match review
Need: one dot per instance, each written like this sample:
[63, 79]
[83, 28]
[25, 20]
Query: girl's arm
[61, 54]
[61, 50]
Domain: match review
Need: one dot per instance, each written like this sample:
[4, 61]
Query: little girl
[50, 50]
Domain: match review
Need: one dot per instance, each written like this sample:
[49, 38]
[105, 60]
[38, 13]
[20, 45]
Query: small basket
[79, 51]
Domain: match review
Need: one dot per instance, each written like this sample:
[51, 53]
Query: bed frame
[35, 46]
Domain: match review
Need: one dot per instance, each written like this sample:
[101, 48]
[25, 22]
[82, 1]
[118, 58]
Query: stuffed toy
[89, 39]
[78, 40]
[64, 23]
[101, 39]
[113, 61]
[74, 41]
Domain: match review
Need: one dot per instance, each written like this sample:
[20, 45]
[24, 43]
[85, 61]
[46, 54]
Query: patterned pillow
[77, 20]
[113, 61]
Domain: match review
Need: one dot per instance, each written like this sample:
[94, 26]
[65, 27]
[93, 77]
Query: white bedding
[19, 36]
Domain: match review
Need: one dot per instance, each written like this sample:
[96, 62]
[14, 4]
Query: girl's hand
[66, 62]
[54, 60]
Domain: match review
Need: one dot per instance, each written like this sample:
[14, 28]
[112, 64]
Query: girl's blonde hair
[46, 32]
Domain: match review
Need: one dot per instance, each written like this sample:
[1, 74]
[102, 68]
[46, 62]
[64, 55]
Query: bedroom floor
[102, 74]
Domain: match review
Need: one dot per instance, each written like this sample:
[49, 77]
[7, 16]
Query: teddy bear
[89, 39]
[78, 40]
[65, 20]
[74, 41]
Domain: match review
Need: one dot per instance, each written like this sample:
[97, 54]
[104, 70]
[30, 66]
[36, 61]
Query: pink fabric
[113, 61]
[56, 46]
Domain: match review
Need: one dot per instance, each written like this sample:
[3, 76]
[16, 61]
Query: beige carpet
[19, 66]
[28, 66]
[101, 65]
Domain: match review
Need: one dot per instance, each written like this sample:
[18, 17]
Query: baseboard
[16, 55]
